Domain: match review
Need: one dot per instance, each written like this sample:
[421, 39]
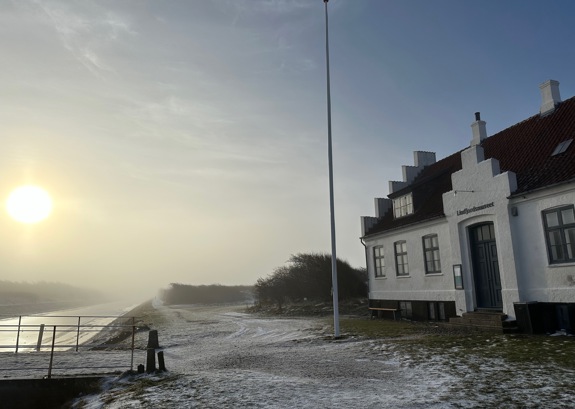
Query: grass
[479, 369]
[418, 337]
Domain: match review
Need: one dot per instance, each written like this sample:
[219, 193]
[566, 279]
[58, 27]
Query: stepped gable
[525, 149]
[427, 189]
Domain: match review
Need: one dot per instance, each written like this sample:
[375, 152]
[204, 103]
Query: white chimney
[479, 130]
[549, 96]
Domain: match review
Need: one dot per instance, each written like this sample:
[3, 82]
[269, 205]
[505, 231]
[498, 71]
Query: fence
[71, 344]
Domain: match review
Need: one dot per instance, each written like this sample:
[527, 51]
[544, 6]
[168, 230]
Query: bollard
[141, 368]
[161, 363]
[151, 360]
[40, 335]
[153, 339]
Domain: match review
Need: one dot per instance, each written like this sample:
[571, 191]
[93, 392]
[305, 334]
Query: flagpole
[331, 201]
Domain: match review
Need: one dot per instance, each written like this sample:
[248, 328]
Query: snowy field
[219, 357]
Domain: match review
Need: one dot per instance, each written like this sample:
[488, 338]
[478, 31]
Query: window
[405, 309]
[560, 234]
[402, 206]
[432, 312]
[431, 254]
[441, 311]
[379, 261]
[401, 258]
[562, 147]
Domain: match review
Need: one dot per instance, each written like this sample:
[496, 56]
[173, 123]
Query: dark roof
[525, 149]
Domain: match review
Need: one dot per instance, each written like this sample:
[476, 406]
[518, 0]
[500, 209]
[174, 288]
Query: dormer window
[403, 206]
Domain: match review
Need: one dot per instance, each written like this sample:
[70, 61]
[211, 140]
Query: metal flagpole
[331, 206]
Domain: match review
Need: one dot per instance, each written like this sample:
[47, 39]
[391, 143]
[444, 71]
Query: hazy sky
[186, 141]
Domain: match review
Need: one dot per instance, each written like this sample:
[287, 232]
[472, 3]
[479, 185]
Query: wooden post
[40, 335]
[161, 363]
[151, 360]
[153, 339]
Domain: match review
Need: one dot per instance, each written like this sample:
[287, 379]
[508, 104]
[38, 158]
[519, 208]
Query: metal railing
[66, 339]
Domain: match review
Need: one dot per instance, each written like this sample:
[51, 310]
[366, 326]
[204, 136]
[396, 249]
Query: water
[66, 322]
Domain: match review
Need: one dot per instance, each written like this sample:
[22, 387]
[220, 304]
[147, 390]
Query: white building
[489, 228]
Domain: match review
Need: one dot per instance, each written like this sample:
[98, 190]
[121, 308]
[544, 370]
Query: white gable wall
[480, 194]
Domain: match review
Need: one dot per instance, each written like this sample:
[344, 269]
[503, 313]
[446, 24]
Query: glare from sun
[29, 204]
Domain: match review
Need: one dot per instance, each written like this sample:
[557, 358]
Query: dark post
[151, 360]
[52, 353]
[78, 334]
[153, 339]
[133, 336]
[18, 333]
[161, 363]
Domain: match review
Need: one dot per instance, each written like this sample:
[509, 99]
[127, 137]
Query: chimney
[549, 96]
[478, 129]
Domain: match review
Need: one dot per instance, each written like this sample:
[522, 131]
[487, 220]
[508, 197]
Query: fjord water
[94, 315]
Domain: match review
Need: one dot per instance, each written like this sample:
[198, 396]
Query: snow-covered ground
[219, 357]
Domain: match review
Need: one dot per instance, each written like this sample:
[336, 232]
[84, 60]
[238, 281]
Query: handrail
[67, 329]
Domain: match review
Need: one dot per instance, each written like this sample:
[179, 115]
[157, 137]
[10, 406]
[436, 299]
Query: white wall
[480, 194]
[539, 280]
[417, 285]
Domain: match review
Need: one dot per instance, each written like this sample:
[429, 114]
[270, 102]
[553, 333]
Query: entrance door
[485, 267]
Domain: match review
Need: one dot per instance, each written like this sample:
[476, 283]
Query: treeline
[205, 294]
[309, 277]
[14, 293]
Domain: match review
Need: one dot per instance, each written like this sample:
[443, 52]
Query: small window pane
[570, 242]
[554, 237]
[479, 236]
[552, 219]
[437, 265]
[568, 216]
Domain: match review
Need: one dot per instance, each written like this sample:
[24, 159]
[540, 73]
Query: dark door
[485, 267]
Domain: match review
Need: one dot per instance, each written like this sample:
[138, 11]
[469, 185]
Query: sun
[29, 204]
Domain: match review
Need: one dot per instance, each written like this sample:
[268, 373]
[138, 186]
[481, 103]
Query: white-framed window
[379, 261]
[431, 254]
[401, 264]
[403, 206]
[560, 234]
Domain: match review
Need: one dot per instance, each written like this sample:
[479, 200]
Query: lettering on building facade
[468, 210]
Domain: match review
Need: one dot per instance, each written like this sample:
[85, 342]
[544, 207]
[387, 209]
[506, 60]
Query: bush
[308, 276]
